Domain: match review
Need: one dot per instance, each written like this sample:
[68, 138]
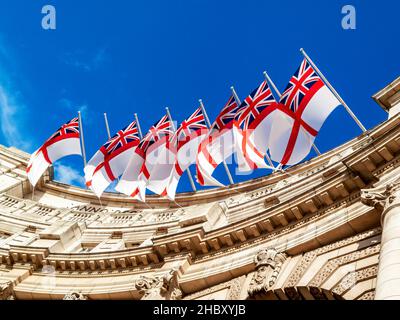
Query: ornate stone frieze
[333, 264]
[309, 257]
[353, 278]
[268, 263]
[235, 288]
[75, 296]
[160, 288]
[370, 295]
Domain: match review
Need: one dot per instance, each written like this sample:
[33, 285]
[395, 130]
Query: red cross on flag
[111, 160]
[187, 140]
[135, 177]
[253, 124]
[218, 145]
[160, 163]
[64, 142]
[304, 106]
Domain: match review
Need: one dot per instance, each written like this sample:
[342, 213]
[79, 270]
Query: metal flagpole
[138, 126]
[209, 126]
[187, 170]
[333, 91]
[279, 94]
[239, 102]
[107, 127]
[82, 138]
[141, 137]
[108, 130]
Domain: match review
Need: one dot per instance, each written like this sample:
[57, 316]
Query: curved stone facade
[309, 233]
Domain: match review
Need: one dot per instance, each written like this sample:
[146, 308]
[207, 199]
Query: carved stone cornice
[160, 288]
[268, 263]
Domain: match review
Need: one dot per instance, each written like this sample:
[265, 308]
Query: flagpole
[108, 133]
[267, 77]
[203, 109]
[333, 91]
[239, 102]
[138, 126]
[187, 170]
[82, 138]
[107, 127]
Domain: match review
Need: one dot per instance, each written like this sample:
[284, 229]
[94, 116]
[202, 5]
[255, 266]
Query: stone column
[387, 199]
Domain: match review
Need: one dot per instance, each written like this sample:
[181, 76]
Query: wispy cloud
[68, 175]
[75, 107]
[85, 61]
[12, 110]
[11, 122]
[70, 105]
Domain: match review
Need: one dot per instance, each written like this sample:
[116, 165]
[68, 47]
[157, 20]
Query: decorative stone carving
[268, 263]
[170, 286]
[75, 296]
[6, 291]
[160, 288]
[353, 278]
[325, 272]
[370, 295]
[235, 288]
[380, 197]
[310, 256]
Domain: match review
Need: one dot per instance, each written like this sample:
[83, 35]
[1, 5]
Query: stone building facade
[328, 228]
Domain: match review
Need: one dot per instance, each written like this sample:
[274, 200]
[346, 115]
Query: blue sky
[123, 57]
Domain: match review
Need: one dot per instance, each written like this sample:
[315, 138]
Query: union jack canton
[251, 110]
[162, 128]
[226, 117]
[299, 85]
[195, 125]
[122, 140]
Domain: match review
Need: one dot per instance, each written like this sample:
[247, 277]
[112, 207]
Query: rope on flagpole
[267, 77]
[333, 91]
[209, 127]
[82, 138]
[239, 102]
[187, 170]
